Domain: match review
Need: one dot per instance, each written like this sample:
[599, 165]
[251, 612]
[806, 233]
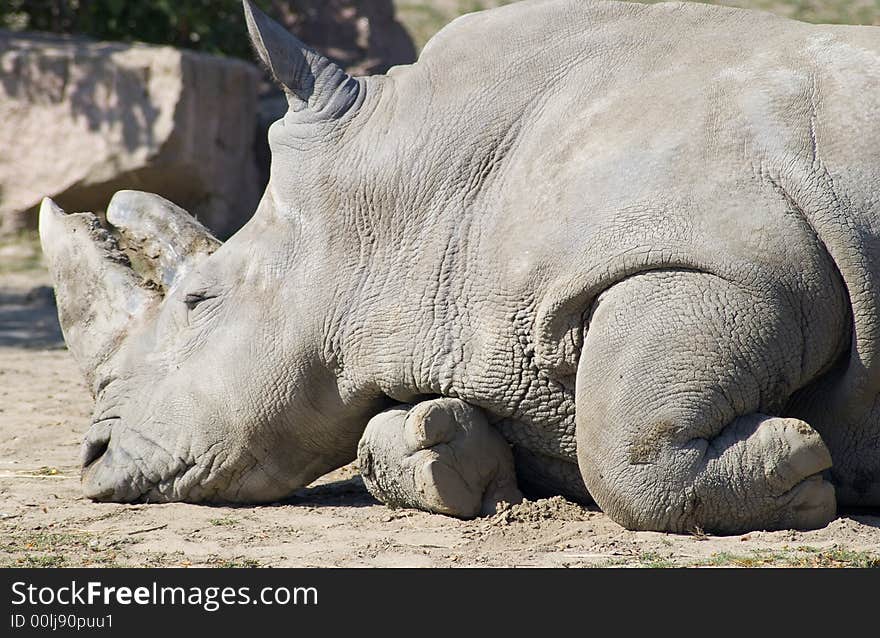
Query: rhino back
[554, 148]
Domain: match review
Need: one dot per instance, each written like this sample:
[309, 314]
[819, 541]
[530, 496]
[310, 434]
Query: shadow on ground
[865, 516]
[349, 492]
[28, 319]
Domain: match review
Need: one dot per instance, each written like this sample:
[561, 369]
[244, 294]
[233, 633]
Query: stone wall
[80, 120]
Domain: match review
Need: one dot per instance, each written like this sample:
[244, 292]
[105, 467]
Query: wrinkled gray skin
[641, 243]
[440, 455]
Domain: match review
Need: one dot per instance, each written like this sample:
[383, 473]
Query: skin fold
[631, 256]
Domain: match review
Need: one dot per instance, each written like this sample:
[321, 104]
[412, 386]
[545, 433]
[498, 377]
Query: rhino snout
[119, 466]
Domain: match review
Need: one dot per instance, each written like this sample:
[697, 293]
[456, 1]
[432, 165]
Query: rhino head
[212, 366]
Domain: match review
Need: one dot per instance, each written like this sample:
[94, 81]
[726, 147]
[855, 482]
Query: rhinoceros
[622, 253]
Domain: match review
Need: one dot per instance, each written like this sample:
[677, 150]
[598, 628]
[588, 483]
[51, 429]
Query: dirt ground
[44, 521]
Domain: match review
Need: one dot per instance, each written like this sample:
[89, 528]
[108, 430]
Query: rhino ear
[310, 80]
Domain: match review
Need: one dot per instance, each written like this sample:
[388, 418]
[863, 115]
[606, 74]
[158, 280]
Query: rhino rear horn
[166, 240]
[97, 292]
[312, 82]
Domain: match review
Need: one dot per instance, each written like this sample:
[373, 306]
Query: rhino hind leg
[439, 456]
[679, 397]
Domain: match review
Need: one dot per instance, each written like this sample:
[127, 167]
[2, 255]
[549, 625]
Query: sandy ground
[44, 409]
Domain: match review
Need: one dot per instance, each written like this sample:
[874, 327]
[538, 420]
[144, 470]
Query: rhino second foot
[439, 456]
[675, 428]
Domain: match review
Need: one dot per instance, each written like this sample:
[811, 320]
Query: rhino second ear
[311, 81]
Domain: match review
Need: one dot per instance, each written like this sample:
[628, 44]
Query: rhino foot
[439, 456]
[678, 401]
[778, 464]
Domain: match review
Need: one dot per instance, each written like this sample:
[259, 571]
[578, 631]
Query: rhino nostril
[97, 442]
[93, 450]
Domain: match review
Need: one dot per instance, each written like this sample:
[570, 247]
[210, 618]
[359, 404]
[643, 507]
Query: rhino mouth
[119, 466]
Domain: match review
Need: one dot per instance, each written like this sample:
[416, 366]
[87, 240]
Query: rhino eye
[193, 299]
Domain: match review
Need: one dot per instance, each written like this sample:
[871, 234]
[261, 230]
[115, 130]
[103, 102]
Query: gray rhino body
[642, 243]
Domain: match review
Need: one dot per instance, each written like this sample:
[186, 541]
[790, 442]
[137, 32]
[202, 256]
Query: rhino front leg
[680, 398]
[439, 456]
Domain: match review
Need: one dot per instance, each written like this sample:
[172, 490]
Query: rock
[361, 35]
[15, 254]
[80, 120]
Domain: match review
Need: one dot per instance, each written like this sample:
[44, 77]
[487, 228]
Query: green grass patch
[646, 560]
[58, 549]
[234, 563]
[47, 560]
[653, 560]
[803, 556]
[223, 522]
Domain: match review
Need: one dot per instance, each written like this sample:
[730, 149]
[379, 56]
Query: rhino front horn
[314, 84]
[97, 292]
